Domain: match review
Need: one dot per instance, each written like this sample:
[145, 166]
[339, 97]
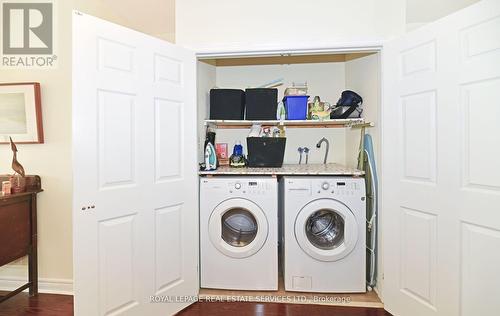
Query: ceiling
[425, 11]
[154, 17]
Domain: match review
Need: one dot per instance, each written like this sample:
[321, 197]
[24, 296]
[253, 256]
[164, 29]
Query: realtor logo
[28, 33]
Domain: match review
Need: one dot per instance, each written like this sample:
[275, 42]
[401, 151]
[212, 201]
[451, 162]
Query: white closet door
[135, 183]
[441, 178]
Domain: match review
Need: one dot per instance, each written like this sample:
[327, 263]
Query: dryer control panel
[337, 187]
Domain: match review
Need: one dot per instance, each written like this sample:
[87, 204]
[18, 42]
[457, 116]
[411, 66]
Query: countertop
[330, 169]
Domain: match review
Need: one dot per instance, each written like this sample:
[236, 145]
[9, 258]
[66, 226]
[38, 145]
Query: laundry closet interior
[327, 74]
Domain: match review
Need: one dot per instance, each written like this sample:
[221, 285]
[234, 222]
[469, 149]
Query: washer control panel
[238, 186]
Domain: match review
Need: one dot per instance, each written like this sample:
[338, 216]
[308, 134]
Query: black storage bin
[227, 104]
[261, 103]
[266, 151]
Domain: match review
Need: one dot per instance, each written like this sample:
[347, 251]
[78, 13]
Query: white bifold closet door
[441, 177]
[135, 182]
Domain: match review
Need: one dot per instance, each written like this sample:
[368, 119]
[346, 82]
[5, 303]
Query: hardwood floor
[275, 309]
[41, 305]
[62, 305]
[368, 299]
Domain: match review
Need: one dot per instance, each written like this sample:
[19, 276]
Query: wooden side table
[18, 231]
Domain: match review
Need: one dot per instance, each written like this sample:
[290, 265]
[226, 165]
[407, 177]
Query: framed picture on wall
[21, 113]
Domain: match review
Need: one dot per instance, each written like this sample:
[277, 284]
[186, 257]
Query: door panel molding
[134, 161]
[440, 187]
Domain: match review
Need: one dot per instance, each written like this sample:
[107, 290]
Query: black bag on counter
[348, 106]
[266, 151]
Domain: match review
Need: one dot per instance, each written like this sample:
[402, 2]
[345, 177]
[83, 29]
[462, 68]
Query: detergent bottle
[237, 159]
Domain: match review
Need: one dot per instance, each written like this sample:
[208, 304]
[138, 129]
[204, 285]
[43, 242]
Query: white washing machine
[323, 239]
[239, 233]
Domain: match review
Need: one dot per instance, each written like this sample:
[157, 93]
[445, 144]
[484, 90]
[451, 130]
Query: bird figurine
[16, 166]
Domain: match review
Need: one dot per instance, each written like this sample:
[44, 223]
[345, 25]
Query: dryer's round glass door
[325, 229]
[239, 227]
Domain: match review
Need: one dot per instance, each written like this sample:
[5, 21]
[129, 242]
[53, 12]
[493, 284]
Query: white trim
[244, 49]
[45, 285]
[247, 49]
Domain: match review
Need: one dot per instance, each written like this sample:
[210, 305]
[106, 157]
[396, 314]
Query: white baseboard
[52, 286]
[13, 276]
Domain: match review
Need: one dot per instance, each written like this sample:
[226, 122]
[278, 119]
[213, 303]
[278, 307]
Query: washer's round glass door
[238, 228]
[326, 230]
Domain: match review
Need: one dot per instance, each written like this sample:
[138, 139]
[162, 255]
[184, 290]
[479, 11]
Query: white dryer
[323, 231]
[239, 233]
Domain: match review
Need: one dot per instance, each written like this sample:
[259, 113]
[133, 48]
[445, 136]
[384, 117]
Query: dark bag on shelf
[261, 103]
[227, 104]
[348, 106]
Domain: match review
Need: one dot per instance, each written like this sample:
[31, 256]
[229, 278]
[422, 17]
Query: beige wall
[52, 161]
[326, 80]
[221, 23]
[363, 76]
[216, 24]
